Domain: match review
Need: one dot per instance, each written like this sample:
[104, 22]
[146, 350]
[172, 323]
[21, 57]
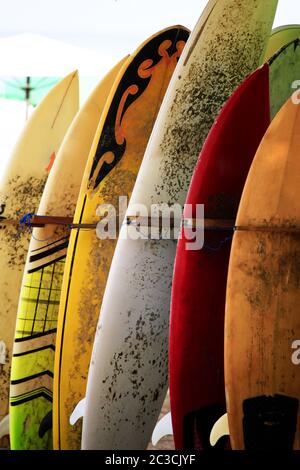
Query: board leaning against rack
[21, 188]
[263, 295]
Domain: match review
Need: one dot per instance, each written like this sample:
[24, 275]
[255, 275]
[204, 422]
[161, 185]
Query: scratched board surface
[128, 375]
[34, 347]
[111, 171]
[20, 192]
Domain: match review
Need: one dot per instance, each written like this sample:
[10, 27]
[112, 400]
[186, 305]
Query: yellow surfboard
[34, 346]
[20, 192]
[111, 171]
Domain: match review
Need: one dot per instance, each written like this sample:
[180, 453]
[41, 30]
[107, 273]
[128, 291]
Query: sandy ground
[167, 442]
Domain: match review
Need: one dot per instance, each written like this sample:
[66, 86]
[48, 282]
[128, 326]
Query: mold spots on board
[205, 85]
[22, 197]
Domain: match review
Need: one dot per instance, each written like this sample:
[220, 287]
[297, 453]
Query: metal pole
[27, 95]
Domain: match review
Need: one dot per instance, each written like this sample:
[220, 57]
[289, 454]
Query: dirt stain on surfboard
[201, 97]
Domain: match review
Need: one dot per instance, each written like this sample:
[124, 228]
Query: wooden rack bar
[156, 222]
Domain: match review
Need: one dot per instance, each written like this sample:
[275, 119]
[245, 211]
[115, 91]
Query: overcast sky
[110, 26]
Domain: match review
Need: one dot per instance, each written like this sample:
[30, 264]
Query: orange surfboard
[262, 324]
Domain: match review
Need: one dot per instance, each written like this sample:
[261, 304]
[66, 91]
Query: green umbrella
[28, 89]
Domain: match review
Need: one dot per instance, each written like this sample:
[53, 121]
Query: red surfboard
[198, 296]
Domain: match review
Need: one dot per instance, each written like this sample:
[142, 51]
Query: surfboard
[34, 345]
[261, 319]
[197, 313]
[284, 75]
[111, 170]
[20, 192]
[280, 37]
[129, 368]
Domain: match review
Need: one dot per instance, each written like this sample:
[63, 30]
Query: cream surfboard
[128, 373]
[20, 192]
[34, 346]
[111, 171]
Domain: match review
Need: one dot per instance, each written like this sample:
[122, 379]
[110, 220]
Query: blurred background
[41, 41]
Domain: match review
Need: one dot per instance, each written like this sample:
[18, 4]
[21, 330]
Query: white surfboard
[128, 374]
